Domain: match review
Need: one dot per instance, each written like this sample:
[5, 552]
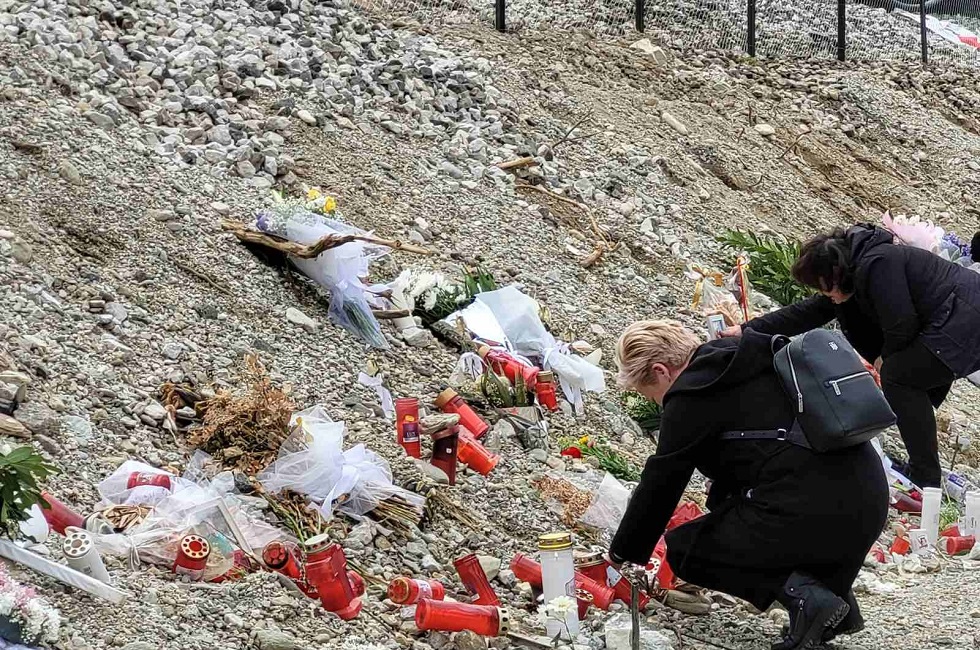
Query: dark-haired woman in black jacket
[912, 313]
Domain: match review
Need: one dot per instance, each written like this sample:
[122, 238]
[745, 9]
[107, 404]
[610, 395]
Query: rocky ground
[128, 130]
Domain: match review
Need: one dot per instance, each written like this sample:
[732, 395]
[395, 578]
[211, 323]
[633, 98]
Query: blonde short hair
[647, 342]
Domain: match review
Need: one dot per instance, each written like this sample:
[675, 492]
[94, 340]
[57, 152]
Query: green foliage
[608, 458]
[613, 462]
[644, 412]
[949, 513]
[771, 260]
[20, 472]
[477, 280]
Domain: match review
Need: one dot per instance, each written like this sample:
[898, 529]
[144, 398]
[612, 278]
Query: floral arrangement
[912, 231]
[285, 208]
[646, 413]
[26, 617]
[609, 459]
[956, 248]
[343, 271]
[433, 296]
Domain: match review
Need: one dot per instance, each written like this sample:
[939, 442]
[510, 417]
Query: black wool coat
[775, 507]
[902, 295]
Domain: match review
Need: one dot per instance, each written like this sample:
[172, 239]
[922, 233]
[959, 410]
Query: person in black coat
[913, 314]
[786, 524]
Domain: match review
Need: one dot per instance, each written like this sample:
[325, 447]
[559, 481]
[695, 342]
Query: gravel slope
[666, 150]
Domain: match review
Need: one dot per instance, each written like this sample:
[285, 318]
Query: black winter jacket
[902, 294]
[798, 496]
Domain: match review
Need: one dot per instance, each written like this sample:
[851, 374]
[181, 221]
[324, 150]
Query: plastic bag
[194, 509]
[712, 296]
[608, 505]
[517, 316]
[384, 395]
[150, 485]
[338, 269]
[310, 461]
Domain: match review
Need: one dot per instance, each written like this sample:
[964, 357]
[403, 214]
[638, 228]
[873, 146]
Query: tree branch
[250, 236]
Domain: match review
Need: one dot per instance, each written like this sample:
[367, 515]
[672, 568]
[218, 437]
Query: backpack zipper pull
[799, 398]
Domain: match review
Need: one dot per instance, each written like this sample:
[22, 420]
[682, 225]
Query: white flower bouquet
[25, 617]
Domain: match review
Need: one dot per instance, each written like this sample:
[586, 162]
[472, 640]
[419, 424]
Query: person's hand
[878, 365]
[732, 332]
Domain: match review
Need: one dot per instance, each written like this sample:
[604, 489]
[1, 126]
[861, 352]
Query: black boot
[852, 623]
[813, 609]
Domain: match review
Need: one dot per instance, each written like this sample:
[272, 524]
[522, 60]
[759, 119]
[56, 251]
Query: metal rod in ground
[640, 12]
[841, 29]
[634, 615]
[923, 33]
[750, 16]
[500, 15]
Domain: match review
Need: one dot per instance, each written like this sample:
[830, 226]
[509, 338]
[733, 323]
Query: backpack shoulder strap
[792, 435]
[779, 342]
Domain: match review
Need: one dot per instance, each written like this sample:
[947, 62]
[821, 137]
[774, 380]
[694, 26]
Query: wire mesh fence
[872, 29]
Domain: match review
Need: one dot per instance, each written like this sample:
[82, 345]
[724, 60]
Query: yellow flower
[584, 440]
[313, 194]
[330, 204]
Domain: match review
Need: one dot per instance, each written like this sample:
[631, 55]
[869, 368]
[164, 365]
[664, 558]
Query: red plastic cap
[399, 591]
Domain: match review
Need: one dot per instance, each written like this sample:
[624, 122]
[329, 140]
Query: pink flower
[913, 232]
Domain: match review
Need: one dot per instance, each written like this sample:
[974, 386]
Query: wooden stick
[594, 257]
[547, 192]
[577, 124]
[203, 276]
[249, 236]
[527, 641]
[527, 161]
[391, 314]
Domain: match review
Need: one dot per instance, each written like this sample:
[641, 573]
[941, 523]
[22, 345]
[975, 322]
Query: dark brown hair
[825, 263]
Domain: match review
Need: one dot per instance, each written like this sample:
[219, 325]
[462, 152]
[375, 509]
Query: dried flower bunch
[244, 430]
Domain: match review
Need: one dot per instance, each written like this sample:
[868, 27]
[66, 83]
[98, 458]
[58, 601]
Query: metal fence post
[841, 29]
[923, 33]
[500, 15]
[751, 19]
[640, 10]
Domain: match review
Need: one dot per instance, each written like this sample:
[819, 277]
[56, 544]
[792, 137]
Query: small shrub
[771, 260]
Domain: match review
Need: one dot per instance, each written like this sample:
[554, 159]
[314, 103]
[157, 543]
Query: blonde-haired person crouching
[785, 524]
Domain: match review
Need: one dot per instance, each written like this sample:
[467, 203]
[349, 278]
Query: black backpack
[836, 400]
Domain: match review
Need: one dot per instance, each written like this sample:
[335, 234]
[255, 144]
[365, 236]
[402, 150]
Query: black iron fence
[844, 29]
[930, 30]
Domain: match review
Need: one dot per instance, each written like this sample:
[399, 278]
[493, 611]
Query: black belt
[793, 435]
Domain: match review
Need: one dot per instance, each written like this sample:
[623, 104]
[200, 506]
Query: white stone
[674, 123]
[490, 564]
[765, 130]
[618, 629]
[306, 116]
[297, 317]
[155, 411]
[644, 45]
